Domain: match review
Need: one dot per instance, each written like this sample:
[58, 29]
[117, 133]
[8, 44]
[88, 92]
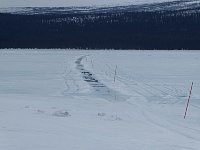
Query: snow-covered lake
[67, 99]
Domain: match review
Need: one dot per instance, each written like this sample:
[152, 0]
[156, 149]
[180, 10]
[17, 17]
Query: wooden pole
[188, 100]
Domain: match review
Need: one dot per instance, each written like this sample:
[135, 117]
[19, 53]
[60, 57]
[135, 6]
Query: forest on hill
[122, 30]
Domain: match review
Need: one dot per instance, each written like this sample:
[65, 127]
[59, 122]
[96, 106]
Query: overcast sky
[65, 3]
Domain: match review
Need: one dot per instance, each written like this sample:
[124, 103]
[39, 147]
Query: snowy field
[76, 3]
[67, 99]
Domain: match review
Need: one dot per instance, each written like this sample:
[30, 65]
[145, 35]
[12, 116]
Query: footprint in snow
[40, 111]
[101, 114]
[27, 106]
[62, 113]
[114, 118]
[109, 118]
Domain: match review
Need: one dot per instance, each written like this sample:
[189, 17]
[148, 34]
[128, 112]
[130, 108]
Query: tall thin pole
[115, 73]
[188, 101]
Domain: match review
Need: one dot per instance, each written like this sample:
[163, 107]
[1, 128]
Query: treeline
[128, 30]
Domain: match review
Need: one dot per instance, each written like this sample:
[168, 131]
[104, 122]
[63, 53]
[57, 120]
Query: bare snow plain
[67, 99]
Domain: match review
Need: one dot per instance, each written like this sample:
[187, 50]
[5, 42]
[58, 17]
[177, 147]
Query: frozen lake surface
[67, 99]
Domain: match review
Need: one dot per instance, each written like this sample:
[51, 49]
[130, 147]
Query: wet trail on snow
[99, 88]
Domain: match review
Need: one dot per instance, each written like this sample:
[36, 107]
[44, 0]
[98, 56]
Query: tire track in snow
[150, 92]
[181, 130]
[70, 82]
[99, 88]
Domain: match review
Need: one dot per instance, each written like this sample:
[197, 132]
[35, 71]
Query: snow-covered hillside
[66, 7]
[69, 3]
[67, 99]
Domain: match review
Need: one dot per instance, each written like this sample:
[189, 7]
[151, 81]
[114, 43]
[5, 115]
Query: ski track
[168, 126]
[70, 82]
[148, 91]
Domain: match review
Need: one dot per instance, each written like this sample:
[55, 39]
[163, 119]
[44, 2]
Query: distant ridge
[179, 5]
[168, 25]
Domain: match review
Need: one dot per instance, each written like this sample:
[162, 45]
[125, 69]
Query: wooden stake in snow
[188, 100]
[115, 73]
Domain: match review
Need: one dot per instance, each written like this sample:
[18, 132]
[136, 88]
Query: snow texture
[69, 3]
[67, 99]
